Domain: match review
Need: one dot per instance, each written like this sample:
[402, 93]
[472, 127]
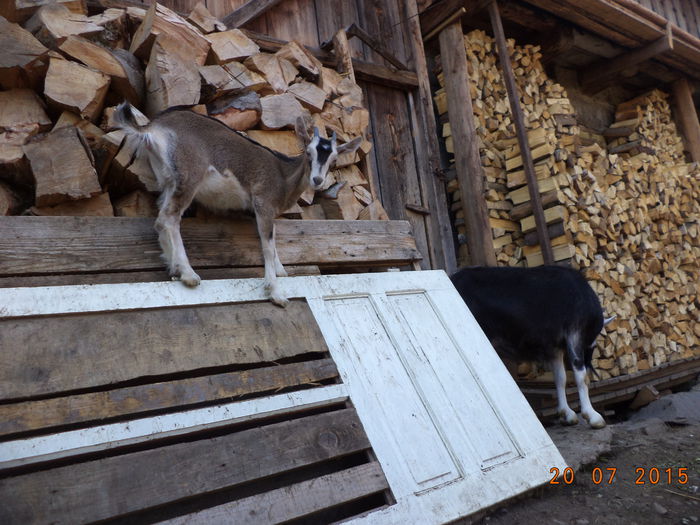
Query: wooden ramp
[374, 397]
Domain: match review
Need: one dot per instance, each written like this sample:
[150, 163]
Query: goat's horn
[609, 320]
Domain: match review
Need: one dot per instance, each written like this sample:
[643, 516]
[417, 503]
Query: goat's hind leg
[566, 415]
[575, 351]
[171, 206]
[266, 231]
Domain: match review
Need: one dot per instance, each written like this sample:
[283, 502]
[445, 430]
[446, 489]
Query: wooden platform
[542, 395]
[151, 402]
[82, 250]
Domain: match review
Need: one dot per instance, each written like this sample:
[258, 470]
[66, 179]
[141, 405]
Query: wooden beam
[470, 173]
[521, 131]
[438, 13]
[438, 227]
[247, 12]
[687, 117]
[595, 77]
[343, 55]
[356, 31]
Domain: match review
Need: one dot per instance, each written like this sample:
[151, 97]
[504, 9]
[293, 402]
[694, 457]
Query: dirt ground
[638, 494]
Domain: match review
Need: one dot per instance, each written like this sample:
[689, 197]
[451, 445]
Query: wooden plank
[51, 245]
[376, 45]
[294, 20]
[295, 501]
[247, 12]
[75, 493]
[67, 444]
[687, 117]
[470, 173]
[438, 226]
[521, 130]
[396, 161]
[437, 13]
[334, 14]
[145, 277]
[134, 400]
[43, 355]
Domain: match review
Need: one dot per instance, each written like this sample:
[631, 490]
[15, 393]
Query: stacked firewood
[62, 73]
[625, 211]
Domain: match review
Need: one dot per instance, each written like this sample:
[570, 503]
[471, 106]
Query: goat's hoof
[568, 417]
[279, 300]
[595, 420]
[190, 279]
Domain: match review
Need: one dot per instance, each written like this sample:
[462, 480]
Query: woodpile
[621, 204]
[62, 72]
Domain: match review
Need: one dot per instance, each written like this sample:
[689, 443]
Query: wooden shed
[127, 398]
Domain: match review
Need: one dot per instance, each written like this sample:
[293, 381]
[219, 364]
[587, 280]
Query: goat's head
[322, 153]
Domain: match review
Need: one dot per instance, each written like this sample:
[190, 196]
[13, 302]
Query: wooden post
[343, 55]
[470, 172]
[687, 117]
[521, 131]
[439, 229]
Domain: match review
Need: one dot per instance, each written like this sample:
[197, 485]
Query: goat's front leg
[566, 415]
[266, 231]
[279, 269]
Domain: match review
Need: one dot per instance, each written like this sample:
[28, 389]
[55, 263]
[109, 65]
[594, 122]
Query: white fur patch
[219, 192]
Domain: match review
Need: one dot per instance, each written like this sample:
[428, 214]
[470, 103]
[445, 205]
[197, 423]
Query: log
[192, 45]
[70, 86]
[308, 65]
[53, 23]
[115, 34]
[231, 45]
[279, 72]
[171, 80]
[345, 206]
[309, 95]
[207, 23]
[138, 203]
[373, 212]
[98, 206]
[285, 142]
[313, 213]
[239, 112]
[22, 57]
[20, 108]
[230, 78]
[120, 65]
[280, 111]
[9, 201]
[21, 10]
[62, 167]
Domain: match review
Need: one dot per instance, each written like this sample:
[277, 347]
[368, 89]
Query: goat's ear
[350, 147]
[302, 131]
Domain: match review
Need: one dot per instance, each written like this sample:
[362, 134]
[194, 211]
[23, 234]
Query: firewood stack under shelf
[621, 204]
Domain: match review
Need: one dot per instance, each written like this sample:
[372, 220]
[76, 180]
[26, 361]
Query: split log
[115, 34]
[9, 202]
[204, 20]
[76, 88]
[171, 80]
[279, 72]
[23, 59]
[311, 97]
[280, 111]
[22, 10]
[53, 23]
[91, 132]
[192, 45]
[20, 108]
[98, 206]
[230, 78]
[345, 206]
[120, 65]
[122, 171]
[308, 65]
[138, 203]
[231, 45]
[313, 213]
[285, 142]
[373, 212]
[239, 112]
[62, 165]
[355, 121]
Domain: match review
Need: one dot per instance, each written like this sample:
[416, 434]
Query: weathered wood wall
[402, 171]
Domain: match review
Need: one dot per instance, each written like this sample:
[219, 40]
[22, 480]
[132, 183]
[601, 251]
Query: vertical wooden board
[395, 157]
[332, 15]
[383, 19]
[293, 20]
